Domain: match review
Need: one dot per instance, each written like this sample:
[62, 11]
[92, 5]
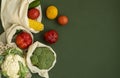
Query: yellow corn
[36, 25]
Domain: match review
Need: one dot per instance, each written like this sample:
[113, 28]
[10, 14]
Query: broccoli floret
[37, 51]
[46, 58]
[34, 59]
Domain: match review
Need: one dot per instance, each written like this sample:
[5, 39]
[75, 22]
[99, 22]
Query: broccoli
[43, 58]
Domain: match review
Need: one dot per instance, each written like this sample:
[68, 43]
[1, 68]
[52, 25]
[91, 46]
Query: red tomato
[51, 36]
[33, 13]
[62, 20]
[23, 40]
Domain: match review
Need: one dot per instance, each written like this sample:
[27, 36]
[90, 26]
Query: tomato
[51, 12]
[23, 40]
[51, 36]
[33, 13]
[62, 20]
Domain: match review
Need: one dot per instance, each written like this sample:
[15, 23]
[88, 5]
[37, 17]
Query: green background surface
[89, 45]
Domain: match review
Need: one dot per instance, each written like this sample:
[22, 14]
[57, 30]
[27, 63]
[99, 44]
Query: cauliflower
[13, 64]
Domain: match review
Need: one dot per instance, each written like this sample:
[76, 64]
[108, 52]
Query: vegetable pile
[52, 13]
[20, 55]
[35, 16]
[51, 36]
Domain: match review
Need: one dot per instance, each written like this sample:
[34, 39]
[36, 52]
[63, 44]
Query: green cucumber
[34, 4]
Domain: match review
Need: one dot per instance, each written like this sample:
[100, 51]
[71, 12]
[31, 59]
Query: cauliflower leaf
[23, 70]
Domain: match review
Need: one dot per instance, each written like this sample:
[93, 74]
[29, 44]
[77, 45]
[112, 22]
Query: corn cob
[36, 25]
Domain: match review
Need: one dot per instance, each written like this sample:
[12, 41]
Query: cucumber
[34, 4]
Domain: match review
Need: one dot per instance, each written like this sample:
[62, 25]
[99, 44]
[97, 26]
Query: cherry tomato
[51, 36]
[33, 13]
[62, 20]
[23, 40]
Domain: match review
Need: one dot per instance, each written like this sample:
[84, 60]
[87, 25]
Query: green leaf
[34, 4]
[23, 70]
[18, 31]
[14, 51]
[1, 59]
[4, 73]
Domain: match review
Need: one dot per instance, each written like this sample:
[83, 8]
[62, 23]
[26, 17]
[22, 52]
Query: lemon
[51, 12]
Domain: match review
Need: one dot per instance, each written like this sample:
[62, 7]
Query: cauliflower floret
[11, 65]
